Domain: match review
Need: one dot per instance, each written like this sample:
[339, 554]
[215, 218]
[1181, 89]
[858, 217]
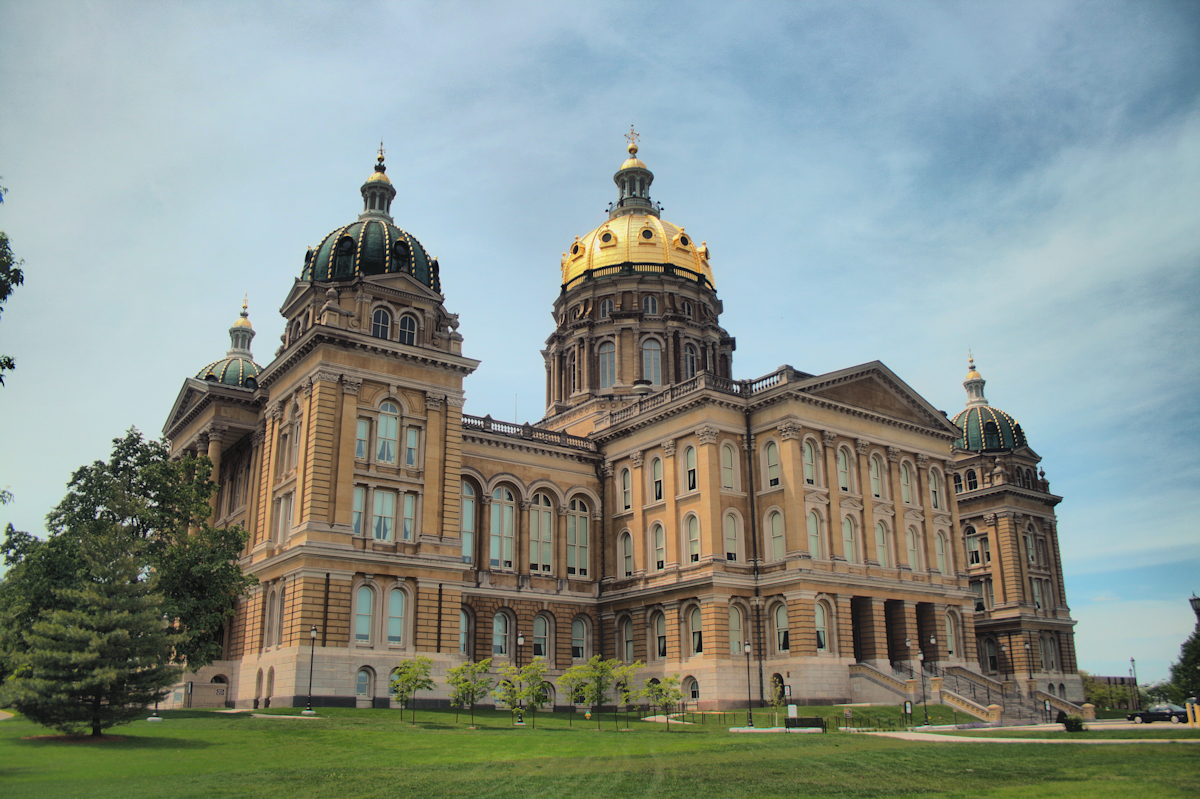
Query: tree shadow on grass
[114, 740]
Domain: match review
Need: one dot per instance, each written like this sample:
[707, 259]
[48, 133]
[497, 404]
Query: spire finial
[246, 304]
[632, 138]
[379, 157]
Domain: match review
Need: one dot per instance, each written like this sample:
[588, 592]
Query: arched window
[689, 362]
[652, 361]
[606, 308]
[381, 324]
[281, 616]
[504, 512]
[957, 483]
[650, 305]
[814, 536]
[693, 539]
[467, 521]
[905, 484]
[541, 532]
[269, 624]
[607, 354]
[659, 625]
[656, 479]
[696, 630]
[733, 543]
[1029, 483]
[500, 635]
[627, 640]
[935, 489]
[387, 434]
[850, 539]
[541, 636]
[783, 641]
[821, 624]
[579, 639]
[727, 462]
[364, 684]
[912, 542]
[362, 615]
[972, 480]
[660, 546]
[691, 689]
[843, 467]
[408, 330]
[876, 473]
[626, 490]
[689, 458]
[775, 526]
[577, 538]
[686, 308]
[735, 630]
[627, 554]
[395, 622]
[464, 633]
[810, 463]
[951, 636]
[940, 548]
[993, 662]
[881, 545]
[772, 454]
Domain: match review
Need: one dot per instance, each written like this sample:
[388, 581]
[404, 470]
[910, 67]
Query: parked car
[1172, 713]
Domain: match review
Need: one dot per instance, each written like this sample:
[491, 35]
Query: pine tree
[101, 657]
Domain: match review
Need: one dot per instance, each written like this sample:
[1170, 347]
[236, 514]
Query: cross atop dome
[632, 138]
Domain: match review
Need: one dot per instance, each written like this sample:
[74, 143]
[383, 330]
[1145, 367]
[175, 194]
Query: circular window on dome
[346, 245]
[607, 237]
[684, 241]
[250, 382]
[575, 250]
[647, 233]
[400, 251]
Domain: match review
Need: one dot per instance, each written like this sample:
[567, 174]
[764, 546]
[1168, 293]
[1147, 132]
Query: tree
[408, 678]
[570, 682]
[11, 276]
[532, 679]
[623, 680]
[99, 658]
[469, 684]
[777, 700]
[1185, 673]
[664, 693]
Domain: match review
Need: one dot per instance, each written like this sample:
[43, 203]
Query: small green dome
[370, 247]
[236, 370]
[986, 428]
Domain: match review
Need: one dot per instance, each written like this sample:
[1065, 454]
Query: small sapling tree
[468, 684]
[408, 678]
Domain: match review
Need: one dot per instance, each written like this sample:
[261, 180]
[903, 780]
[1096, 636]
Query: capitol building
[665, 509]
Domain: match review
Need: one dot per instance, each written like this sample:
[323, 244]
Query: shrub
[1073, 724]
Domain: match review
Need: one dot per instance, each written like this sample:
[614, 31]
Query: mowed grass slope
[349, 753]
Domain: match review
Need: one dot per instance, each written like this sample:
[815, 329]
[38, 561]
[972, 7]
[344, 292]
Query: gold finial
[245, 303]
[632, 137]
[379, 157]
[971, 359]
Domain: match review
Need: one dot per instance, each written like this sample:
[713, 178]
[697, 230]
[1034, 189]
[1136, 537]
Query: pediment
[851, 504]
[875, 388]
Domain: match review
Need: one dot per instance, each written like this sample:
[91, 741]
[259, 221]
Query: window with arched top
[627, 640]
[607, 355]
[696, 631]
[364, 599]
[541, 636]
[951, 635]
[912, 543]
[364, 684]
[845, 473]
[691, 689]
[660, 546]
[991, 436]
[579, 639]
[772, 456]
[504, 515]
[875, 468]
[779, 618]
[652, 362]
[467, 522]
[627, 554]
[577, 538]
[850, 539]
[733, 538]
[689, 474]
[464, 633]
[972, 480]
[810, 462]
[821, 626]
[815, 550]
[541, 533]
[656, 479]
[689, 362]
[387, 436]
[943, 557]
[606, 308]
[958, 487]
[686, 308]
[775, 530]
[693, 538]
[658, 625]
[381, 324]
[408, 330]
[882, 547]
[395, 617]
[626, 490]
[736, 625]
[650, 305]
[727, 467]
[500, 628]
[905, 484]
[935, 489]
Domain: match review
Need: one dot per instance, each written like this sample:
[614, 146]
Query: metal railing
[526, 431]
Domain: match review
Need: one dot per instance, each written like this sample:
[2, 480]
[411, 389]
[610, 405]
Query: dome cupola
[372, 245]
[985, 428]
[237, 368]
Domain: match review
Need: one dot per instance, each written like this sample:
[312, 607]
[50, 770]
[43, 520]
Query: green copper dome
[237, 368]
[983, 427]
[373, 245]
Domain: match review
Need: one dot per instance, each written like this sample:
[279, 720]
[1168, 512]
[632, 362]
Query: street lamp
[154, 716]
[1003, 665]
[520, 705]
[1029, 660]
[749, 695]
[1137, 696]
[312, 649]
[924, 700]
[908, 652]
[1195, 601]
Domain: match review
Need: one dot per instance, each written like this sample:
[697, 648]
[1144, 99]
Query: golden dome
[243, 320]
[638, 239]
[971, 373]
[634, 162]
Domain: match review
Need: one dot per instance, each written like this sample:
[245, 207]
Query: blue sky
[891, 181]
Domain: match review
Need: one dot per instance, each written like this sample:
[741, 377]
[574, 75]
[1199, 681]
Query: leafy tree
[469, 684]
[1185, 673]
[11, 276]
[408, 678]
[665, 693]
[777, 700]
[508, 691]
[571, 682]
[98, 658]
[532, 679]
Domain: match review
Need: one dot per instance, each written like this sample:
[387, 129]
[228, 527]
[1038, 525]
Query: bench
[804, 721]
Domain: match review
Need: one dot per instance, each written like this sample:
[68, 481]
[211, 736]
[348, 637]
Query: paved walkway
[969, 739]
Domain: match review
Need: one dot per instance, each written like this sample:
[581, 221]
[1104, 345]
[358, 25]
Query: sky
[893, 181]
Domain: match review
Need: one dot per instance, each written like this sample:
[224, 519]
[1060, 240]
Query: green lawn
[365, 753]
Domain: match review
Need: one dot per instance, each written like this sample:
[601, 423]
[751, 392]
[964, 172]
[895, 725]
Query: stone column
[834, 520]
[708, 482]
[900, 526]
[866, 523]
[343, 493]
[321, 428]
[902, 624]
[795, 526]
[216, 435]
[873, 631]
[433, 466]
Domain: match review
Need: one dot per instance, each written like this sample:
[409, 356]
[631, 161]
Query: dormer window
[381, 324]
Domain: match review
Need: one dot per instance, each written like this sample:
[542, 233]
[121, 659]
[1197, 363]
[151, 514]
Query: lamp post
[1029, 660]
[908, 652]
[1137, 699]
[1195, 602]
[749, 695]
[154, 716]
[933, 645]
[312, 649]
[520, 704]
[924, 700]
[1003, 665]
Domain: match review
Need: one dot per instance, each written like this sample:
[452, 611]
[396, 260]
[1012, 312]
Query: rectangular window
[410, 447]
[987, 550]
[410, 516]
[283, 517]
[468, 526]
[360, 439]
[977, 588]
[1029, 549]
[727, 467]
[385, 515]
[360, 499]
[973, 556]
[1037, 593]
[626, 490]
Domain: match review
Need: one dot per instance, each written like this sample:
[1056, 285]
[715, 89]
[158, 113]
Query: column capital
[668, 447]
[893, 455]
[607, 469]
[433, 402]
[350, 385]
[862, 445]
[828, 437]
[325, 376]
[922, 460]
[637, 459]
[789, 431]
[707, 435]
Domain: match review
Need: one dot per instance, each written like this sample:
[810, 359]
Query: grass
[1141, 733]
[374, 753]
